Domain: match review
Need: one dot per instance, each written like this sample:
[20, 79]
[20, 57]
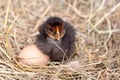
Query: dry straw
[97, 24]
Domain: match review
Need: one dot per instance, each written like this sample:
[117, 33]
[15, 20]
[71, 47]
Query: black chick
[56, 39]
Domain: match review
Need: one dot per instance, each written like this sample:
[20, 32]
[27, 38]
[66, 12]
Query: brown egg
[31, 55]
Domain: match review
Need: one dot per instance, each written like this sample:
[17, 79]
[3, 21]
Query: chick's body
[56, 39]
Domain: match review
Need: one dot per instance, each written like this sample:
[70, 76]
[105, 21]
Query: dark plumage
[56, 39]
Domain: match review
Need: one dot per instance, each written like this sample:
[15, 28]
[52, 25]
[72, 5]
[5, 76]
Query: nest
[97, 54]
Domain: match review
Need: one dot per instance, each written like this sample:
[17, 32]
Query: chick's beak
[57, 34]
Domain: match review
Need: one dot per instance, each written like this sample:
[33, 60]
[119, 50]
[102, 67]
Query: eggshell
[31, 55]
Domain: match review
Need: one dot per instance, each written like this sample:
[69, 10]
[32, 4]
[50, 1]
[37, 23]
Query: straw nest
[97, 24]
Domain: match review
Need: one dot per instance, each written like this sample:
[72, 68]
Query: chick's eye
[50, 29]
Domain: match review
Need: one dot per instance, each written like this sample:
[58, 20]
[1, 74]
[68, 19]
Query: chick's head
[55, 28]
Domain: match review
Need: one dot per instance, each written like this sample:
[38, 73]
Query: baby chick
[56, 39]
